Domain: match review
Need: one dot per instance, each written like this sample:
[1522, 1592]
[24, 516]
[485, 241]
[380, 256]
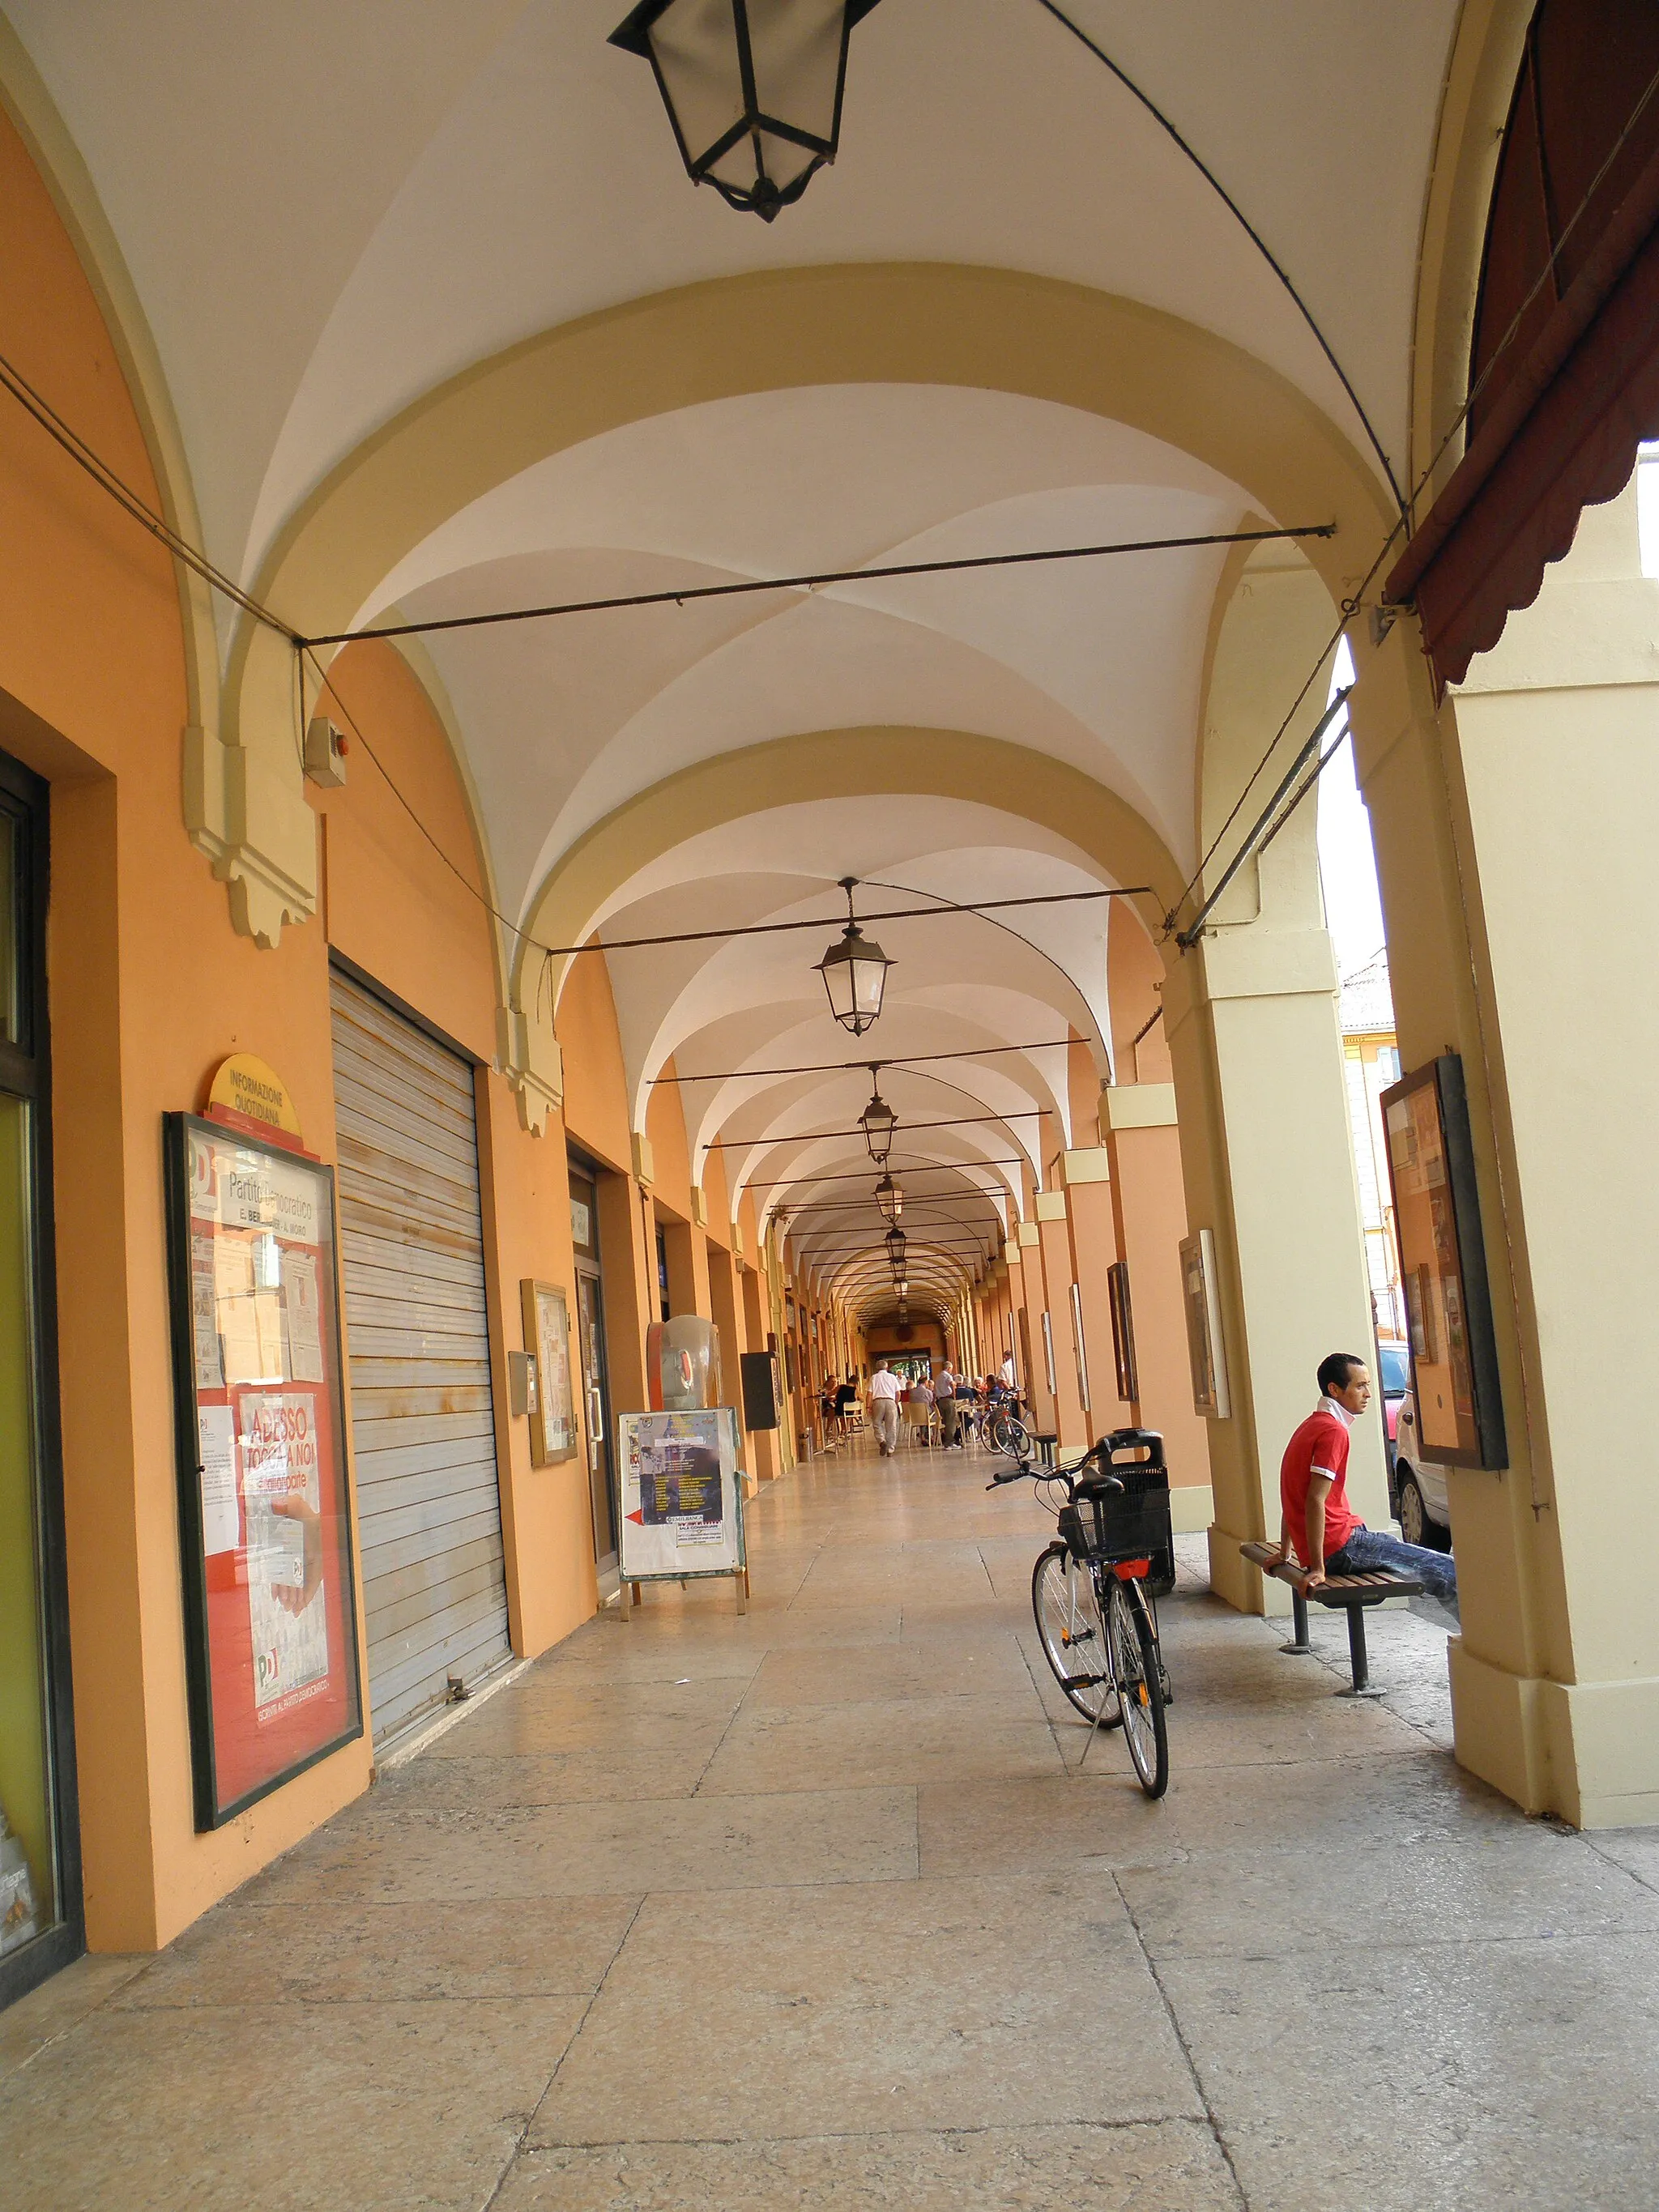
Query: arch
[883, 762]
[931, 324]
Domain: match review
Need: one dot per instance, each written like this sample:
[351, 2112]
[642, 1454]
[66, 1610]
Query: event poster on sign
[682, 1502]
[269, 1604]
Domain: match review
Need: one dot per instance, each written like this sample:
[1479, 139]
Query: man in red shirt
[1318, 1525]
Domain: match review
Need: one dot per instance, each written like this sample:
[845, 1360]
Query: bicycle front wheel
[1073, 1634]
[1138, 1681]
[1011, 1436]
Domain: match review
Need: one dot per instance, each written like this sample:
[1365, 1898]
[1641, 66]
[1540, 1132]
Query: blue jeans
[1368, 1552]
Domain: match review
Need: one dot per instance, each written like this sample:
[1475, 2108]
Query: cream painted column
[1026, 1289]
[1250, 1013]
[1258, 1056]
[1055, 1243]
[1143, 1145]
[1085, 1177]
[1515, 839]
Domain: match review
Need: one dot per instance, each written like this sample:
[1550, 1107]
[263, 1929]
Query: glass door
[596, 1381]
[41, 1927]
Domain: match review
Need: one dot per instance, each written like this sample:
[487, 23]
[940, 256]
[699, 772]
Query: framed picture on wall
[1123, 1330]
[1442, 1256]
[263, 1506]
[1201, 1295]
[547, 1333]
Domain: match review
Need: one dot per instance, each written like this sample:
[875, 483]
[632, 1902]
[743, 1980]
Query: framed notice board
[682, 1503]
[264, 1506]
[1443, 1258]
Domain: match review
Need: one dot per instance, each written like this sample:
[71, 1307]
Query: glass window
[10, 1027]
[29, 1872]
[1395, 1369]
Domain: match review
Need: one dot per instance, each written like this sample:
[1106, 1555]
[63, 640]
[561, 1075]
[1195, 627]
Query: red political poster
[264, 1506]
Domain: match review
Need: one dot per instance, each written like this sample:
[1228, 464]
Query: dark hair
[1334, 1370]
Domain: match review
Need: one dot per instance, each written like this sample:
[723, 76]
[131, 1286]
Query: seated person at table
[1318, 1525]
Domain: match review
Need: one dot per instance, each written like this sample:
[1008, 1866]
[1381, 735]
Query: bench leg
[1301, 1648]
[1357, 1655]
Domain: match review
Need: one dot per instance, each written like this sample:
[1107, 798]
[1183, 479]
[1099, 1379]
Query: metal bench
[1353, 1593]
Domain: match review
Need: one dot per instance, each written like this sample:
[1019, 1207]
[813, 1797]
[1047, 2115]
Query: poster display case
[1443, 1257]
[1200, 1290]
[269, 1602]
[682, 1503]
[547, 1336]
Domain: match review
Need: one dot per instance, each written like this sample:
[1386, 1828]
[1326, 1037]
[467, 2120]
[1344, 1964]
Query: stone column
[1143, 1144]
[1056, 1245]
[1515, 835]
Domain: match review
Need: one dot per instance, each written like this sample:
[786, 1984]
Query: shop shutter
[423, 1422]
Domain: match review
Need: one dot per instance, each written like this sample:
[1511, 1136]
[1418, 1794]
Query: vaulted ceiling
[328, 210]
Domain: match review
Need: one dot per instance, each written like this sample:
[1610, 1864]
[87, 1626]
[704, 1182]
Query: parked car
[1394, 1379]
[1417, 1486]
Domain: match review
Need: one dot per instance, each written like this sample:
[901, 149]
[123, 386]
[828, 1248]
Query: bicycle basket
[1133, 1524]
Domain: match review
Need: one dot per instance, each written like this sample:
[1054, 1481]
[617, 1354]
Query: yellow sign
[248, 1086]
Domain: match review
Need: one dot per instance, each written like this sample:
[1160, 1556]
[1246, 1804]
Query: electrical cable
[900, 1129]
[863, 1066]
[817, 581]
[1352, 604]
[1244, 222]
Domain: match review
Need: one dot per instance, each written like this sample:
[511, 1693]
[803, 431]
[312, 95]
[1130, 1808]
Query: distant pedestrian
[948, 1393]
[883, 1394]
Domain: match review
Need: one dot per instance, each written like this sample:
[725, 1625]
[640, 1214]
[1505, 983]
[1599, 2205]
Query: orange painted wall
[1152, 1217]
[150, 987]
[1134, 972]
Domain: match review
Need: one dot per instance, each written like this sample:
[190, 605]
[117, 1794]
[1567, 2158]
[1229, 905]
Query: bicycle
[1096, 1623]
[1007, 1432]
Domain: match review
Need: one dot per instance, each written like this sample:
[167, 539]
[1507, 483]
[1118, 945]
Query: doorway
[41, 1927]
[595, 1379]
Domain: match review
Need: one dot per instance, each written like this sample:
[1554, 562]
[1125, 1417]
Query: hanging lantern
[877, 1122]
[894, 1240]
[752, 87]
[890, 1198]
[854, 973]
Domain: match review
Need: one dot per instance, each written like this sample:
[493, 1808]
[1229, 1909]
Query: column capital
[1051, 1206]
[1250, 963]
[1092, 1165]
[1138, 1106]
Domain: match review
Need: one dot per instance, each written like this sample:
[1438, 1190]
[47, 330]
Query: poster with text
[682, 1501]
[264, 1513]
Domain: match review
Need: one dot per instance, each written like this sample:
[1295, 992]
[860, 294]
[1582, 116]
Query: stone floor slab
[291, 2108]
[925, 2004]
[912, 1740]
[1174, 2165]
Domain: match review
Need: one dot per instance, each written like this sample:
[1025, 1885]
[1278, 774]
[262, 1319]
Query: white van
[1417, 1486]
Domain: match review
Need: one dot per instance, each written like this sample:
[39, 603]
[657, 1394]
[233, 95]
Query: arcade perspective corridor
[836, 1904]
[723, 719]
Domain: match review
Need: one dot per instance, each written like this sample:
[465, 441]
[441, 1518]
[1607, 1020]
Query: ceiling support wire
[881, 573]
[1351, 606]
[1050, 7]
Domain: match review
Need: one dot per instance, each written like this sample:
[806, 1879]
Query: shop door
[422, 1416]
[41, 1925]
[596, 1381]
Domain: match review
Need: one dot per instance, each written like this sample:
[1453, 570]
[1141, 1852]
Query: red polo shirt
[1320, 1446]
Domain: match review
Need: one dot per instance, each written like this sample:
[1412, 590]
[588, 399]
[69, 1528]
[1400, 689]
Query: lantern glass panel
[797, 53]
[694, 43]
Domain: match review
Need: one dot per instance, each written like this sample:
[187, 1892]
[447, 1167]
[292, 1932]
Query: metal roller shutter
[422, 1421]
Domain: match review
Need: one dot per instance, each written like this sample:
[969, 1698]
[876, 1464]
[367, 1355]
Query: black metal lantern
[890, 1198]
[752, 88]
[894, 1240]
[877, 1122]
[854, 973]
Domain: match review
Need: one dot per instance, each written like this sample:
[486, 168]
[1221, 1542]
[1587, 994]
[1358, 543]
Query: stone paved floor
[823, 1907]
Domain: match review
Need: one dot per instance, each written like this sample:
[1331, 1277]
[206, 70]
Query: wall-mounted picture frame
[547, 1334]
[1080, 1348]
[1123, 1330]
[1442, 1254]
[264, 1514]
[1205, 1348]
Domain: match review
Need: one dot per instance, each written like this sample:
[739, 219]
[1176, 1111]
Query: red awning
[1562, 436]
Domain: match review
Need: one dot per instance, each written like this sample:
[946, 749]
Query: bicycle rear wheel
[1011, 1436]
[1138, 1681]
[1073, 1634]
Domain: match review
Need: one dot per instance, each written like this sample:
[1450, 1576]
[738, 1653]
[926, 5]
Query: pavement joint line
[1179, 2032]
[1094, 2126]
[517, 2151]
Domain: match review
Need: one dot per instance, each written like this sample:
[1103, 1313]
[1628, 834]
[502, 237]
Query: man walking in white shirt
[884, 1408]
